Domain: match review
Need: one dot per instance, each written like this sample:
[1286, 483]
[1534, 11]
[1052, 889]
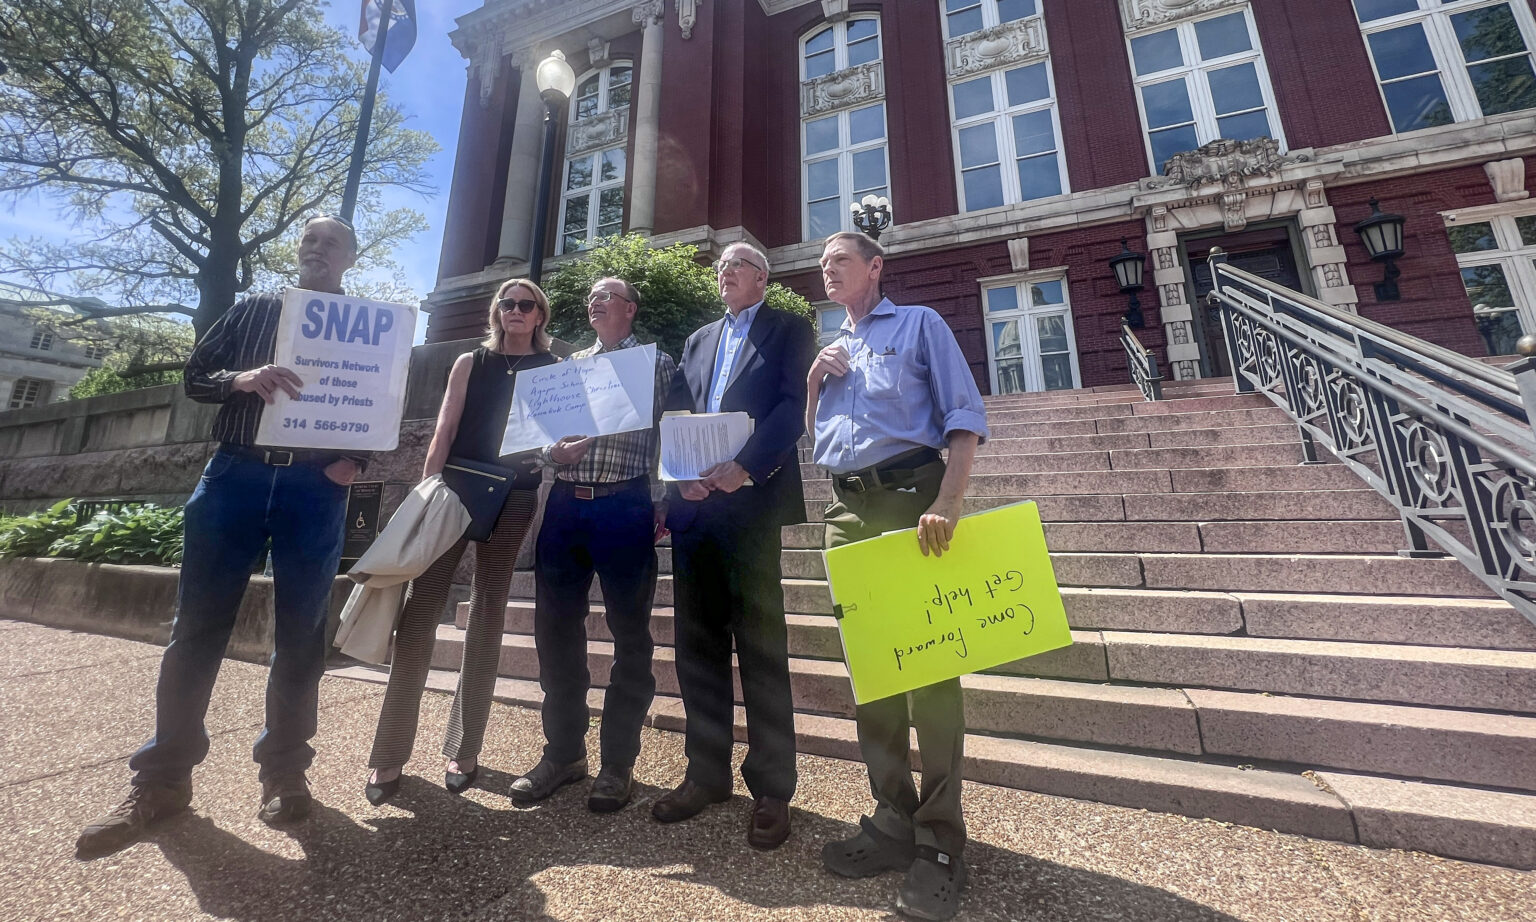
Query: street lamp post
[872, 215]
[556, 82]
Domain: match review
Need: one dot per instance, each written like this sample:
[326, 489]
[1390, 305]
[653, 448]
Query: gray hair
[628, 290]
[868, 247]
[742, 244]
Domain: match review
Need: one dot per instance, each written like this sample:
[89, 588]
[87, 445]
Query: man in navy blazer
[725, 550]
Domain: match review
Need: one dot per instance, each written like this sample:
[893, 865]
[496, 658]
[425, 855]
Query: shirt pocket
[883, 377]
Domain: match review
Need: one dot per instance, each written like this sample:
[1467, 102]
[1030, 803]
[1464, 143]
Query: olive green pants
[937, 711]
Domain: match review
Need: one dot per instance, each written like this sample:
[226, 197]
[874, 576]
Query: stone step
[1289, 479]
[815, 634]
[1446, 745]
[1334, 574]
[1480, 623]
[1448, 820]
[1002, 415]
[1324, 505]
[1203, 419]
[1496, 680]
[1274, 454]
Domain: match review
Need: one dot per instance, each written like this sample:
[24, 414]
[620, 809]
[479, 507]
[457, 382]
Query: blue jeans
[237, 506]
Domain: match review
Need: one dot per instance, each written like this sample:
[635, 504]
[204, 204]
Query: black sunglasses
[526, 305]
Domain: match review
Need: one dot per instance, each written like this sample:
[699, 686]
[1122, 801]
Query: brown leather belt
[599, 490]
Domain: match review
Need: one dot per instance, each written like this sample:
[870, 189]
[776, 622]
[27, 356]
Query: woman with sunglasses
[469, 425]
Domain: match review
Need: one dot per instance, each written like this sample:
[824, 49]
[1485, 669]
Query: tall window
[42, 340]
[27, 392]
[97, 351]
[962, 17]
[1444, 61]
[592, 203]
[1498, 269]
[1202, 80]
[1030, 344]
[829, 322]
[844, 154]
[1007, 135]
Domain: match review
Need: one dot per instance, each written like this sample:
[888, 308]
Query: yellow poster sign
[909, 620]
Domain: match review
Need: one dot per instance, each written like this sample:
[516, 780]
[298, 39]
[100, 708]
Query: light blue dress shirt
[908, 386]
[733, 335]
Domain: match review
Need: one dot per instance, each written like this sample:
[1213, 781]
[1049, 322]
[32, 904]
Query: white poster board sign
[691, 443]
[598, 395]
[354, 356]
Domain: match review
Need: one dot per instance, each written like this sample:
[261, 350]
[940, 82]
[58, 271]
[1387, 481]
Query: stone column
[642, 192]
[522, 164]
[1319, 236]
[1173, 295]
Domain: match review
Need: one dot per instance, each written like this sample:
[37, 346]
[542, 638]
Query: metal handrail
[1143, 362]
[1446, 439]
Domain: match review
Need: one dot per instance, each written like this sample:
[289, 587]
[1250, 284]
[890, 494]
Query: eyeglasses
[526, 305]
[734, 263]
[603, 297]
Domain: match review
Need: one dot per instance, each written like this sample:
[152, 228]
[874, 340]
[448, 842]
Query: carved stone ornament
[1508, 179]
[687, 16]
[1141, 14]
[603, 130]
[834, 10]
[484, 63]
[1011, 43]
[649, 11]
[841, 89]
[1230, 163]
[597, 52]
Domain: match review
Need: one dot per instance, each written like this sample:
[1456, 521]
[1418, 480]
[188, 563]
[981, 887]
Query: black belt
[599, 490]
[892, 472]
[280, 457]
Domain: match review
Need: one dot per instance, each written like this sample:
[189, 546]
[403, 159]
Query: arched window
[1007, 134]
[592, 197]
[843, 152]
[962, 17]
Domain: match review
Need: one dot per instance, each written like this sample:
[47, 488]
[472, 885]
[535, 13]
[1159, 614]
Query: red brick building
[1019, 142]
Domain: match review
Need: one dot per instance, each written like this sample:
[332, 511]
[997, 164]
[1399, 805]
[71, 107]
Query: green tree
[187, 138]
[677, 291]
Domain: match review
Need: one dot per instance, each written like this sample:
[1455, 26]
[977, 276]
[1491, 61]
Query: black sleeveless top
[488, 401]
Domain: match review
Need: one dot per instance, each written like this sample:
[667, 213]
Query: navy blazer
[768, 384]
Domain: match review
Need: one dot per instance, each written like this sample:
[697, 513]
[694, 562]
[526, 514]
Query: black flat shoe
[383, 791]
[457, 783]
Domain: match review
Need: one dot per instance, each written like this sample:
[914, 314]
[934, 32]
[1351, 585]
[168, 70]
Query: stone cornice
[1142, 14]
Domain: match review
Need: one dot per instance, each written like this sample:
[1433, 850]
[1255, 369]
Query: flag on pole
[402, 30]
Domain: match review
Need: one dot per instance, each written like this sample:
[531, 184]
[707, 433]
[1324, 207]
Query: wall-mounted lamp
[1383, 237]
[1129, 267]
[872, 215]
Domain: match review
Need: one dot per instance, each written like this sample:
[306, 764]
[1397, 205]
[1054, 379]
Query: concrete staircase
[1249, 645]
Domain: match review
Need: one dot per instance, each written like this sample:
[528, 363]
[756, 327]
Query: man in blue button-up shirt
[889, 392]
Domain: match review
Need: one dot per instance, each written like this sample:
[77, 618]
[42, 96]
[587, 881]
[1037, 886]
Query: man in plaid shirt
[603, 516]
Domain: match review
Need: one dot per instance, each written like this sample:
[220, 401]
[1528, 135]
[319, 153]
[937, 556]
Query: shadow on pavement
[434, 855]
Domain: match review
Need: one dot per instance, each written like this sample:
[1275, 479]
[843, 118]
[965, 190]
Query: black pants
[612, 536]
[726, 573]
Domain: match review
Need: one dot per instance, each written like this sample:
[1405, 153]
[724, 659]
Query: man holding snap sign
[884, 397]
[272, 479]
[601, 518]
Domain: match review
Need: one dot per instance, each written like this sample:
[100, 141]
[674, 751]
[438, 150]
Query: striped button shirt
[627, 455]
[242, 339]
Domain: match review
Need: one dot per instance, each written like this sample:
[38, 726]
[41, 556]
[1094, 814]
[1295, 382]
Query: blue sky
[428, 86]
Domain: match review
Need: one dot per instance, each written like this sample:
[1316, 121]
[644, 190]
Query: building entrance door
[1268, 253]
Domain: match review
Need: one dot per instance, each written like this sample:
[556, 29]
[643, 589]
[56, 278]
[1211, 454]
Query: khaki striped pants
[417, 630]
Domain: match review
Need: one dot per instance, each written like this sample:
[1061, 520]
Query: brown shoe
[770, 823]
[284, 799]
[146, 805]
[686, 801]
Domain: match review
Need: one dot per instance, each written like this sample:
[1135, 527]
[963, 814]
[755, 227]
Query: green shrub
[678, 293]
[134, 533]
[106, 380]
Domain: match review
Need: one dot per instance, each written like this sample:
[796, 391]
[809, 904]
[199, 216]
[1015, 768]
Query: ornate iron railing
[1143, 364]
[1447, 439]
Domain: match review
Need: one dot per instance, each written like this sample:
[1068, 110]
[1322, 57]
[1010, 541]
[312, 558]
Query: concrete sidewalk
[76, 705]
